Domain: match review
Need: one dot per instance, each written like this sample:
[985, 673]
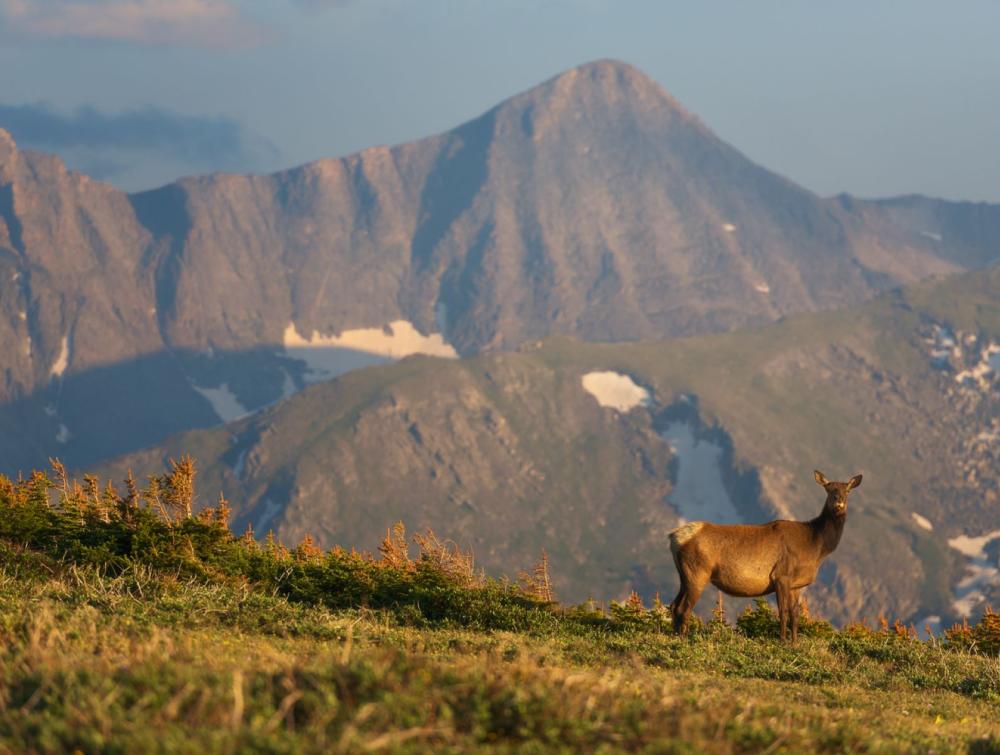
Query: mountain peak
[8, 153]
[7, 143]
[612, 70]
[607, 83]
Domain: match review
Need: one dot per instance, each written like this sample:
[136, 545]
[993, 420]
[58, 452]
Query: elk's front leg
[796, 608]
[783, 593]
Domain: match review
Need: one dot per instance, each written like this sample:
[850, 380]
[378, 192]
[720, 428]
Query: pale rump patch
[615, 391]
[680, 536]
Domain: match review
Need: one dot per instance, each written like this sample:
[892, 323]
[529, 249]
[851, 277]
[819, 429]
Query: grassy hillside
[506, 453]
[129, 625]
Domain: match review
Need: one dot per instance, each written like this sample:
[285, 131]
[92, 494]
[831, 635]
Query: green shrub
[983, 637]
[761, 620]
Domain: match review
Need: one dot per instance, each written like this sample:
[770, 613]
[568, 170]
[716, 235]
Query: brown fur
[749, 560]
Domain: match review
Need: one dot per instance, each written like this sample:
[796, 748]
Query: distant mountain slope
[592, 206]
[970, 231]
[509, 453]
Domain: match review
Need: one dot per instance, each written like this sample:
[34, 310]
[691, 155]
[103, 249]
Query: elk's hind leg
[692, 585]
[675, 608]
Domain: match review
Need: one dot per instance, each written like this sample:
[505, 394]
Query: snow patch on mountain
[982, 371]
[441, 317]
[240, 465]
[327, 356]
[224, 402]
[62, 361]
[981, 572]
[63, 434]
[922, 521]
[928, 627]
[976, 362]
[615, 391]
[699, 492]
[265, 517]
[943, 345]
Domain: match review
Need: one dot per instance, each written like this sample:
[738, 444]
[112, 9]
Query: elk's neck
[827, 528]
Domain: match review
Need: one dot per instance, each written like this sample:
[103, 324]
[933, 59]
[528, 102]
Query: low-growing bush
[983, 637]
[47, 525]
[760, 620]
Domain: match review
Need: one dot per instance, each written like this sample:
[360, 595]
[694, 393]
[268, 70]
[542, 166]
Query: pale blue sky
[874, 98]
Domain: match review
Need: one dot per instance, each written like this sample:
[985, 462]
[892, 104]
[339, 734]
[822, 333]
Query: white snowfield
[615, 391]
[63, 435]
[330, 356]
[699, 492]
[441, 317]
[943, 345]
[922, 521]
[980, 571]
[988, 364]
[62, 361]
[224, 402]
[928, 627]
[265, 517]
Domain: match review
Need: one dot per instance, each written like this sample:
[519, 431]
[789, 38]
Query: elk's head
[836, 492]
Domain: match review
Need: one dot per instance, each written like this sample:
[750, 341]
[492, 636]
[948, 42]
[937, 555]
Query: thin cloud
[196, 23]
[218, 143]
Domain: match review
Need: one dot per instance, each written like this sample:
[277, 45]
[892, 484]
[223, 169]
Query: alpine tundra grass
[128, 625]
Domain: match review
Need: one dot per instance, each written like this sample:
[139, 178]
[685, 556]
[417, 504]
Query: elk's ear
[854, 482]
[820, 478]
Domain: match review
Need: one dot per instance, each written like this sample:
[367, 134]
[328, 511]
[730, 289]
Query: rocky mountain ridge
[592, 206]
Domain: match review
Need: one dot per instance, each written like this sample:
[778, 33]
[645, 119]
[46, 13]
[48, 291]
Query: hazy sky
[874, 98]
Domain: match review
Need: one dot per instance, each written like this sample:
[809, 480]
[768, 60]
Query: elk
[750, 560]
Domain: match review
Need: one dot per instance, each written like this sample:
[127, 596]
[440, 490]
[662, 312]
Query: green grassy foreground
[126, 625]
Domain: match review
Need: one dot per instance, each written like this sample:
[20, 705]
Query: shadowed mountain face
[593, 206]
[592, 451]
